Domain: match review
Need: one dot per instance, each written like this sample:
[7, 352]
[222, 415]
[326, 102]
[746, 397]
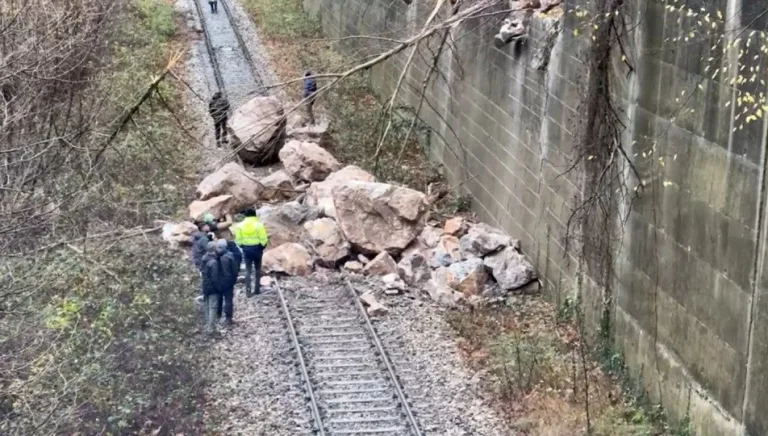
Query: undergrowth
[532, 355]
[295, 44]
[96, 336]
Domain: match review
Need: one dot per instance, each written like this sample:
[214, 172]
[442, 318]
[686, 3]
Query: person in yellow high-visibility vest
[251, 237]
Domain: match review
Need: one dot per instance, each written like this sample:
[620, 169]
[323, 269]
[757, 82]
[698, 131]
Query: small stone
[374, 307]
[455, 226]
[290, 258]
[414, 269]
[446, 252]
[353, 266]
[265, 281]
[381, 265]
[393, 284]
[362, 259]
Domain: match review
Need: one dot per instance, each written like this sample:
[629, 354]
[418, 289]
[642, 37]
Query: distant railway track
[351, 384]
[205, 22]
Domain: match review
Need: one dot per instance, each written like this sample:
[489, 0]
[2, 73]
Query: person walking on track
[251, 236]
[219, 110]
[214, 4]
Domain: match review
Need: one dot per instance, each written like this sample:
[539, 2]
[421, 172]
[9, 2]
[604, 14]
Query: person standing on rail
[251, 236]
[218, 107]
[214, 4]
[310, 88]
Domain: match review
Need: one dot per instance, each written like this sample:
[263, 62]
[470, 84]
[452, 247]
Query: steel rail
[380, 347]
[209, 47]
[241, 41]
[302, 363]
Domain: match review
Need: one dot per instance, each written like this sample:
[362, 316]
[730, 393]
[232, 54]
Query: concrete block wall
[691, 310]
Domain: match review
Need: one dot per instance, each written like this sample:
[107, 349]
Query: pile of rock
[344, 218]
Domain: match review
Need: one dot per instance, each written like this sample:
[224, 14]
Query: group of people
[219, 107]
[219, 262]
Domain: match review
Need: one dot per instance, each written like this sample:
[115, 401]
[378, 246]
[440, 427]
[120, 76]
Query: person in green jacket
[251, 237]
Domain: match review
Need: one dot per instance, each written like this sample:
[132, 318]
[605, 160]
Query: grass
[295, 43]
[102, 333]
[534, 365]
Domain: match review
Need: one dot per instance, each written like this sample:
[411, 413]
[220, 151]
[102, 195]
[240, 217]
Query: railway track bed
[351, 385]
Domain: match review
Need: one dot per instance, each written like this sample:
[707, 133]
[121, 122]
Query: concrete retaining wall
[691, 313]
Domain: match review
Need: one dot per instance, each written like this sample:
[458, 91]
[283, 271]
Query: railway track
[234, 70]
[350, 382]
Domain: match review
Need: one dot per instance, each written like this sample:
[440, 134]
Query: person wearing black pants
[218, 107]
[214, 6]
[251, 237]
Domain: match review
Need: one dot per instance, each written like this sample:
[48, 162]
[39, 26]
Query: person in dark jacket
[219, 110]
[231, 267]
[212, 274]
[310, 88]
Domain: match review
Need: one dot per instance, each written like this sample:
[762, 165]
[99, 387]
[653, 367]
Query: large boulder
[308, 161]
[277, 186]
[381, 265]
[327, 240]
[295, 213]
[290, 258]
[510, 268]
[446, 252]
[378, 217]
[320, 194]
[258, 128]
[231, 179]
[318, 133]
[414, 269]
[218, 206]
[482, 239]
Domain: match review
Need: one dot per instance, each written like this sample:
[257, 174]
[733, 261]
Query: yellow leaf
[575, 32]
